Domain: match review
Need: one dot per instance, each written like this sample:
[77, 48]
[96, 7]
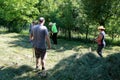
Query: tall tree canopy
[17, 12]
[80, 16]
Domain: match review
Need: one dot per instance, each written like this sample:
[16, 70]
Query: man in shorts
[40, 36]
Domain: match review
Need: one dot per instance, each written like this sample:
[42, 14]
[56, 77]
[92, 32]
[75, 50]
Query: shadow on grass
[63, 45]
[22, 41]
[75, 67]
[11, 73]
[87, 67]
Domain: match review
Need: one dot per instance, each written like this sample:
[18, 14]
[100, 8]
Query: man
[100, 40]
[54, 32]
[40, 35]
[34, 23]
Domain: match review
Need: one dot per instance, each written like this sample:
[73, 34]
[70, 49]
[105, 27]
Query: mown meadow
[69, 60]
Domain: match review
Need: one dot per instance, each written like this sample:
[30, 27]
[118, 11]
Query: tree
[97, 10]
[17, 12]
[67, 10]
[101, 12]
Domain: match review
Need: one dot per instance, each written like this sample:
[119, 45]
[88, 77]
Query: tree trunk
[69, 33]
[87, 31]
[9, 28]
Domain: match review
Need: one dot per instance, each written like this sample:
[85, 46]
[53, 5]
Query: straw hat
[101, 27]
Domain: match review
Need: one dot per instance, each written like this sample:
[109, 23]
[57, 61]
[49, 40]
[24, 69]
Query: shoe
[100, 55]
[43, 68]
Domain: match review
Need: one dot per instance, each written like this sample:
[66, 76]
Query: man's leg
[37, 55]
[43, 64]
[55, 34]
[44, 73]
[43, 57]
[53, 38]
[37, 63]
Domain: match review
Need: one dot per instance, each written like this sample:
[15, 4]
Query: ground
[69, 60]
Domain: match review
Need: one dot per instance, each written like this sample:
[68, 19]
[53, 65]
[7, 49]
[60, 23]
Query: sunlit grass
[16, 56]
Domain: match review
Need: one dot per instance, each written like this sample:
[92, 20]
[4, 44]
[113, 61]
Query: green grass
[71, 60]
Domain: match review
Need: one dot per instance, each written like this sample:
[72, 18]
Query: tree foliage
[101, 12]
[17, 12]
[80, 16]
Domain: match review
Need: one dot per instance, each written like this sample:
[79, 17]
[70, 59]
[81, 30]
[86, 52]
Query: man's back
[54, 28]
[39, 33]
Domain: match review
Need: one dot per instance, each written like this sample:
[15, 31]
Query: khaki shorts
[40, 53]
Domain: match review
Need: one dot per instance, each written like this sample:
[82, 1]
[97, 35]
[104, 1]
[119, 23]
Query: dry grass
[17, 58]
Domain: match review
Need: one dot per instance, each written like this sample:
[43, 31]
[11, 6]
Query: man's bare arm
[31, 36]
[48, 41]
